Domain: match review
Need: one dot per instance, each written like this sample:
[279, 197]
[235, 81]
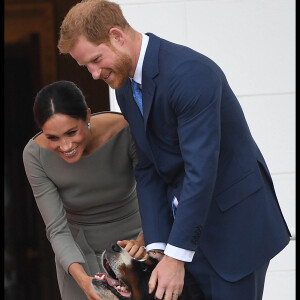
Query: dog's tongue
[108, 279]
[111, 281]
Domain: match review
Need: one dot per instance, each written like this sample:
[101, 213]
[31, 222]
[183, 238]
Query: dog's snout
[116, 248]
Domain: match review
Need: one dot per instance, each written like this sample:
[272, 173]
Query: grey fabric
[87, 205]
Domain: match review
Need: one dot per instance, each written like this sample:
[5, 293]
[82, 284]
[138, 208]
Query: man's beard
[121, 69]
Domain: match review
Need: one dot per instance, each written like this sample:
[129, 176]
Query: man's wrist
[156, 246]
[156, 253]
[172, 259]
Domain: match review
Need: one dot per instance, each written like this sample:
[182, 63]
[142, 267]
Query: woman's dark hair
[60, 97]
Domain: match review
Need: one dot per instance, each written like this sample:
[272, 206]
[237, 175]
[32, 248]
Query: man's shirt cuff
[179, 253]
[172, 251]
[156, 246]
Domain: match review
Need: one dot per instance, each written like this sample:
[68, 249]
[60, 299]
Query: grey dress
[87, 205]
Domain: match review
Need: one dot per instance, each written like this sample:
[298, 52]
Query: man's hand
[169, 276]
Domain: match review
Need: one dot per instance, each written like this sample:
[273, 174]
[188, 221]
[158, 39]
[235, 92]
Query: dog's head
[126, 278]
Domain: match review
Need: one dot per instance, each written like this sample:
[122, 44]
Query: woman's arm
[54, 216]
[51, 208]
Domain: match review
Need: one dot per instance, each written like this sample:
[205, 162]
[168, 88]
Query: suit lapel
[133, 115]
[148, 96]
[150, 71]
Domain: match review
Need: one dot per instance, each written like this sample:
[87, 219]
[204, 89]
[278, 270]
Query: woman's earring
[89, 125]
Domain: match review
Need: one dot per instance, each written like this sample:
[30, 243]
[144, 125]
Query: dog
[126, 278]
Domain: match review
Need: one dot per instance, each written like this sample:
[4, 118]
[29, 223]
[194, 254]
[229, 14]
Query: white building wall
[253, 41]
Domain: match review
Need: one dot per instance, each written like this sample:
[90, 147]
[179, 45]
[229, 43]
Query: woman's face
[67, 136]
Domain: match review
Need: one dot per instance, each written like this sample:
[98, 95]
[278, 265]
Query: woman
[80, 168]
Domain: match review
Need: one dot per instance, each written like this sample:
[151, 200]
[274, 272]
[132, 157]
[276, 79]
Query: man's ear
[116, 35]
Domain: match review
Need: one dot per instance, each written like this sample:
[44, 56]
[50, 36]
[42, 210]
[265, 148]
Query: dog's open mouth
[117, 286]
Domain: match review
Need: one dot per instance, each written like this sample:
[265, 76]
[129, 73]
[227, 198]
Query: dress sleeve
[51, 208]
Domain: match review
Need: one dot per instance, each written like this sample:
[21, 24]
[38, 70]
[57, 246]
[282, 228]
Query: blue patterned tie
[137, 94]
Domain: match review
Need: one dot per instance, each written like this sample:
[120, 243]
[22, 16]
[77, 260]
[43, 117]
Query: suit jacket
[193, 142]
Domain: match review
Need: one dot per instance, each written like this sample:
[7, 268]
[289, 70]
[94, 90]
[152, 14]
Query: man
[206, 195]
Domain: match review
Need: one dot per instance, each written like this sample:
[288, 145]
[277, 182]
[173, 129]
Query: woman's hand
[89, 290]
[84, 281]
[134, 247]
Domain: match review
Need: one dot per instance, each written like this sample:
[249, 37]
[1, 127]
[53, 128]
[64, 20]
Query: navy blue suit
[193, 142]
